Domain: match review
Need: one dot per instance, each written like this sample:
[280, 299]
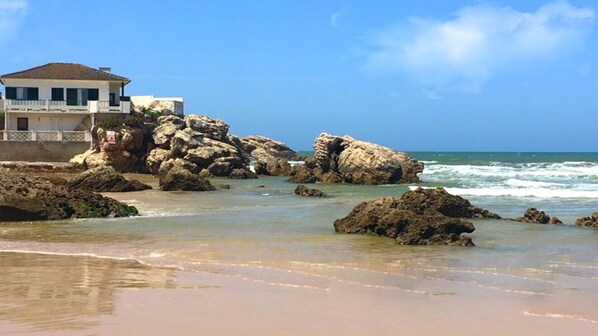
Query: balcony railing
[93, 106]
[76, 136]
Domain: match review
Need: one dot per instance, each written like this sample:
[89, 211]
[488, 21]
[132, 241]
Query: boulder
[242, 174]
[211, 128]
[105, 179]
[302, 190]
[155, 159]
[272, 166]
[591, 221]
[182, 141]
[388, 217]
[535, 216]
[24, 197]
[180, 179]
[178, 163]
[166, 129]
[261, 148]
[344, 159]
[210, 150]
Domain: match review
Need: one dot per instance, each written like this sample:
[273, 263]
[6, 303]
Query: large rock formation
[591, 221]
[535, 216]
[419, 217]
[181, 179]
[261, 148]
[105, 179]
[344, 159]
[28, 198]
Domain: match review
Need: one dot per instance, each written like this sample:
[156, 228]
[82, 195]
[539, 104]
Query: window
[58, 94]
[22, 124]
[79, 97]
[22, 93]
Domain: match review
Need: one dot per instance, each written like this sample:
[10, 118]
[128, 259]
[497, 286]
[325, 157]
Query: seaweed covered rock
[105, 179]
[180, 179]
[535, 216]
[302, 190]
[30, 198]
[388, 217]
[590, 221]
[347, 160]
[418, 217]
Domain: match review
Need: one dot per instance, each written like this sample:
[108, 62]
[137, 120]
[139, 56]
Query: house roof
[72, 71]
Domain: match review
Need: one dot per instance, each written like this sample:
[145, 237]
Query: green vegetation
[125, 210]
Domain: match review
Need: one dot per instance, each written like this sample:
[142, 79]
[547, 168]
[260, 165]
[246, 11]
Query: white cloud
[11, 14]
[464, 52]
[335, 18]
[431, 94]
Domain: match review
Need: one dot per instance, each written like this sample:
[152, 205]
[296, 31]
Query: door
[71, 97]
[22, 124]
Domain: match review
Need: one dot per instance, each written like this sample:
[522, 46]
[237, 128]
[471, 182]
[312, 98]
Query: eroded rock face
[211, 128]
[125, 154]
[344, 159]
[30, 198]
[419, 217]
[180, 179]
[535, 216]
[272, 166]
[262, 148]
[591, 221]
[302, 190]
[105, 179]
[166, 129]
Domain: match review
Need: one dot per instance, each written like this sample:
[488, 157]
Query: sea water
[260, 232]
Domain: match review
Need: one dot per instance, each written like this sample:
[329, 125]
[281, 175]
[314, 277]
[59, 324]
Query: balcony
[75, 136]
[54, 106]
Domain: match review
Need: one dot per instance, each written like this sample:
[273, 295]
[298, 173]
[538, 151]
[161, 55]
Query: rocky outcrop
[272, 166]
[29, 198]
[591, 221]
[262, 148]
[535, 216]
[419, 217]
[105, 179]
[211, 128]
[302, 190]
[344, 159]
[242, 174]
[180, 179]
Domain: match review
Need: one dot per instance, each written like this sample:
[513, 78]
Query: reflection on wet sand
[62, 292]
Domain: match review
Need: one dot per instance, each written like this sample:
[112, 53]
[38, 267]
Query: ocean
[197, 261]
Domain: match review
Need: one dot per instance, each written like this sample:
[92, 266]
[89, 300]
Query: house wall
[45, 86]
[174, 104]
[41, 151]
[49, 121]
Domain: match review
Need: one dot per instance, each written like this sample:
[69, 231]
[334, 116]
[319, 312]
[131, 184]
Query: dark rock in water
[302, 174]
[555, 220]
[180, 179]
[273, 167]
[591, 221]
[302, 190]
[242, 173]
[535, 216]
[346, 160]
[439, 200]
[105, 179]
[29, 198]
[388, 217]
[223, 186]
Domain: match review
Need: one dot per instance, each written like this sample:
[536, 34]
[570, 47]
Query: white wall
[50, 122]
[175, 104]
[45, 86]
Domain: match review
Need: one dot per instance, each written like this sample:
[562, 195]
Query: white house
[171, 104]
[60, 101]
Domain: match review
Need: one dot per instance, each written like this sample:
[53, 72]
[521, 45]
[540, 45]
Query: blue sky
[412, 75]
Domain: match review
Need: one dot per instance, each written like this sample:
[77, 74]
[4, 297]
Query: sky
[411, 75]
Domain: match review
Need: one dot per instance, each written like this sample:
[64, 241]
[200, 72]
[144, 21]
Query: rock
[302, 190]
[105, 179]
[178, 163]
[211, 128]
[242, 173]
[388, 217]
[167, 128]
[155, 159]
[302, 174]
[182, 141]
[555, 220]
[272, 166]
[535, 216]
[223, 186]
[439, 200]
[30, 198]
[344, 159]
[591, 221]
[261, 148]
[210, 150]
[180, 179]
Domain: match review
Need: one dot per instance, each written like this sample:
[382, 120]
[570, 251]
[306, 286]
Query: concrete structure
[172, 104]
[60, 101]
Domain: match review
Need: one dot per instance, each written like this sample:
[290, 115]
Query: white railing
[93, 106]
[75, 136]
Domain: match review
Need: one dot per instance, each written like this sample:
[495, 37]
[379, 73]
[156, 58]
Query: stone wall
[41, 151]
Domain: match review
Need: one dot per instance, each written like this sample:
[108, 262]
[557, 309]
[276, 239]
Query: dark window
[93, 94]
[32, 94]
[58, 94]
[112, 101]
[11, 92]
[71, 97]
[22, 124]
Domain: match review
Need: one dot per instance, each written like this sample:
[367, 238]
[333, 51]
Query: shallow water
[260, 234]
